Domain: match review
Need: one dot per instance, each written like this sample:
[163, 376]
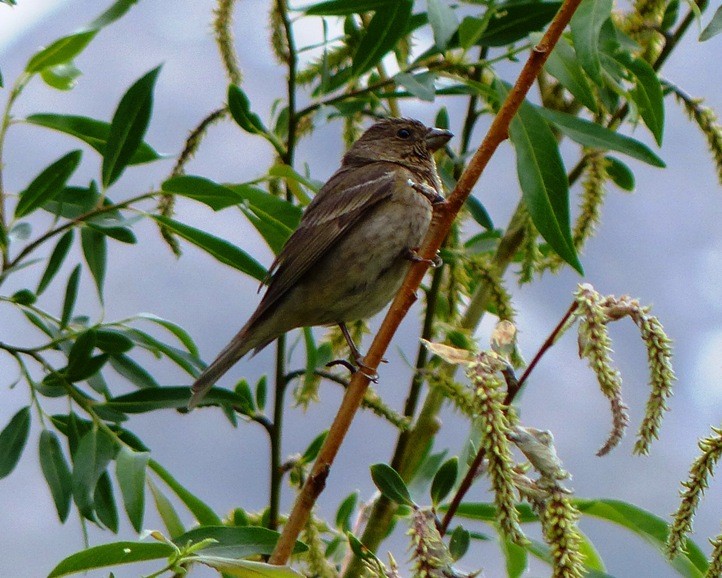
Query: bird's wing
[341, 202]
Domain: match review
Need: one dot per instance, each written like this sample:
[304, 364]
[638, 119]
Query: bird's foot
[413, 256]
[364, 369]
[428, 191]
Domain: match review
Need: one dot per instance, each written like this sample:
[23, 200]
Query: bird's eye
[404, 133]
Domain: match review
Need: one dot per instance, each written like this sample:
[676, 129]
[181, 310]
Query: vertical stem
[276, 431]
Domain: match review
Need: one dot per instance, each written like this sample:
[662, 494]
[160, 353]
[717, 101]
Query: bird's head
[403, 141]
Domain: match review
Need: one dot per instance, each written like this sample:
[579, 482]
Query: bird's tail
[241, 344]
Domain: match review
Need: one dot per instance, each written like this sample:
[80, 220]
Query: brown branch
[406, 296]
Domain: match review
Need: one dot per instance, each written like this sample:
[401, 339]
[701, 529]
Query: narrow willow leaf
[56, 471]
[714, 27]
[247, 568]
[81, 352]
[61, 76]
[273, 231]
[56, 260]
[345, 511]
[118, 9]
[130, 469]
[621, 174]
[73, 202]
[200, 510]
[479, 212]
[284, 211]
[191, 364]
[544, 183]
[419, 85]
[564, 66]
[220, 249]
[203, 190]
[261, 393]
[71, 294]
[515, 558]
[647, 93]
[235, 542]
[586, 24]
[61, 51]
[443, 22]
[346, 7]
[132, 371]
[106, 512]
[180, 333]
[12, 441]
[122, 234]
[111, 555]
[444, 480]
[387, 27]
[95, 251]
[515, 21]
[173, 525]
[390, 484]
[93, 454]
[459, 542]
[128, 127]
[240, 108]
[92, 132]
[592, 135]
[47, 184]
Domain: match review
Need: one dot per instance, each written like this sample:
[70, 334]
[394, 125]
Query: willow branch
[406, 296]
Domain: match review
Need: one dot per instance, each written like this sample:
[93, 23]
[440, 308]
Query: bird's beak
[436, 138]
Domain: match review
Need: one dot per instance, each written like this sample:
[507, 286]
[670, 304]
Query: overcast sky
[663, 244]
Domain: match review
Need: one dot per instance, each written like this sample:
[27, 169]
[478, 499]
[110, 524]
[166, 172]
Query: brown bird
[354, 244]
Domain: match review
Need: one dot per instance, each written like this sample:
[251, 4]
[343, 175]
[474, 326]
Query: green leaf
[313, 448]
[346, 7]
[130, 471]
[167, 512]
[443, 22]
[235, 542]
[93, 454]
[261, 393]
[387, 27]
[246, 403]
[111, 555]
[181, 334]
[61, 76]
[471, 29]
[651, 528]
[118, 9]
[92, 132]
[128, 127]
[154, 398]
[419, 85]
[515, 557]
[292, 180]
[586, 25]
[61, 51]
[273, 231]
[544, 183]
[56, 260]
[459, 542]
[203, 190]
[47, 184]
[444, 480]
[240, 108]
[647, 93]
[564, 66]
[479, 212]
[621, 174]
[512, 22]
[122, 234]
[592, 135]
[104, 503]
[80, 353]
[56, 472]
[191, 364]
[282, 210]
[247, 568]
[345, 510]
[24, 297]
[714, 27]
[487, 512]
[73, 202]
[390, 484]
[113, 342]
[133, 372]
[222, 250]
[12, 441]
[200, 510]
[95, 253]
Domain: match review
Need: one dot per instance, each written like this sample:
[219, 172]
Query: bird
[353, 246]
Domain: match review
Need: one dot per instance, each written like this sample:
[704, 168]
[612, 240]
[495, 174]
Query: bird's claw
[370, 375]
[413, 256]
[428, 191]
